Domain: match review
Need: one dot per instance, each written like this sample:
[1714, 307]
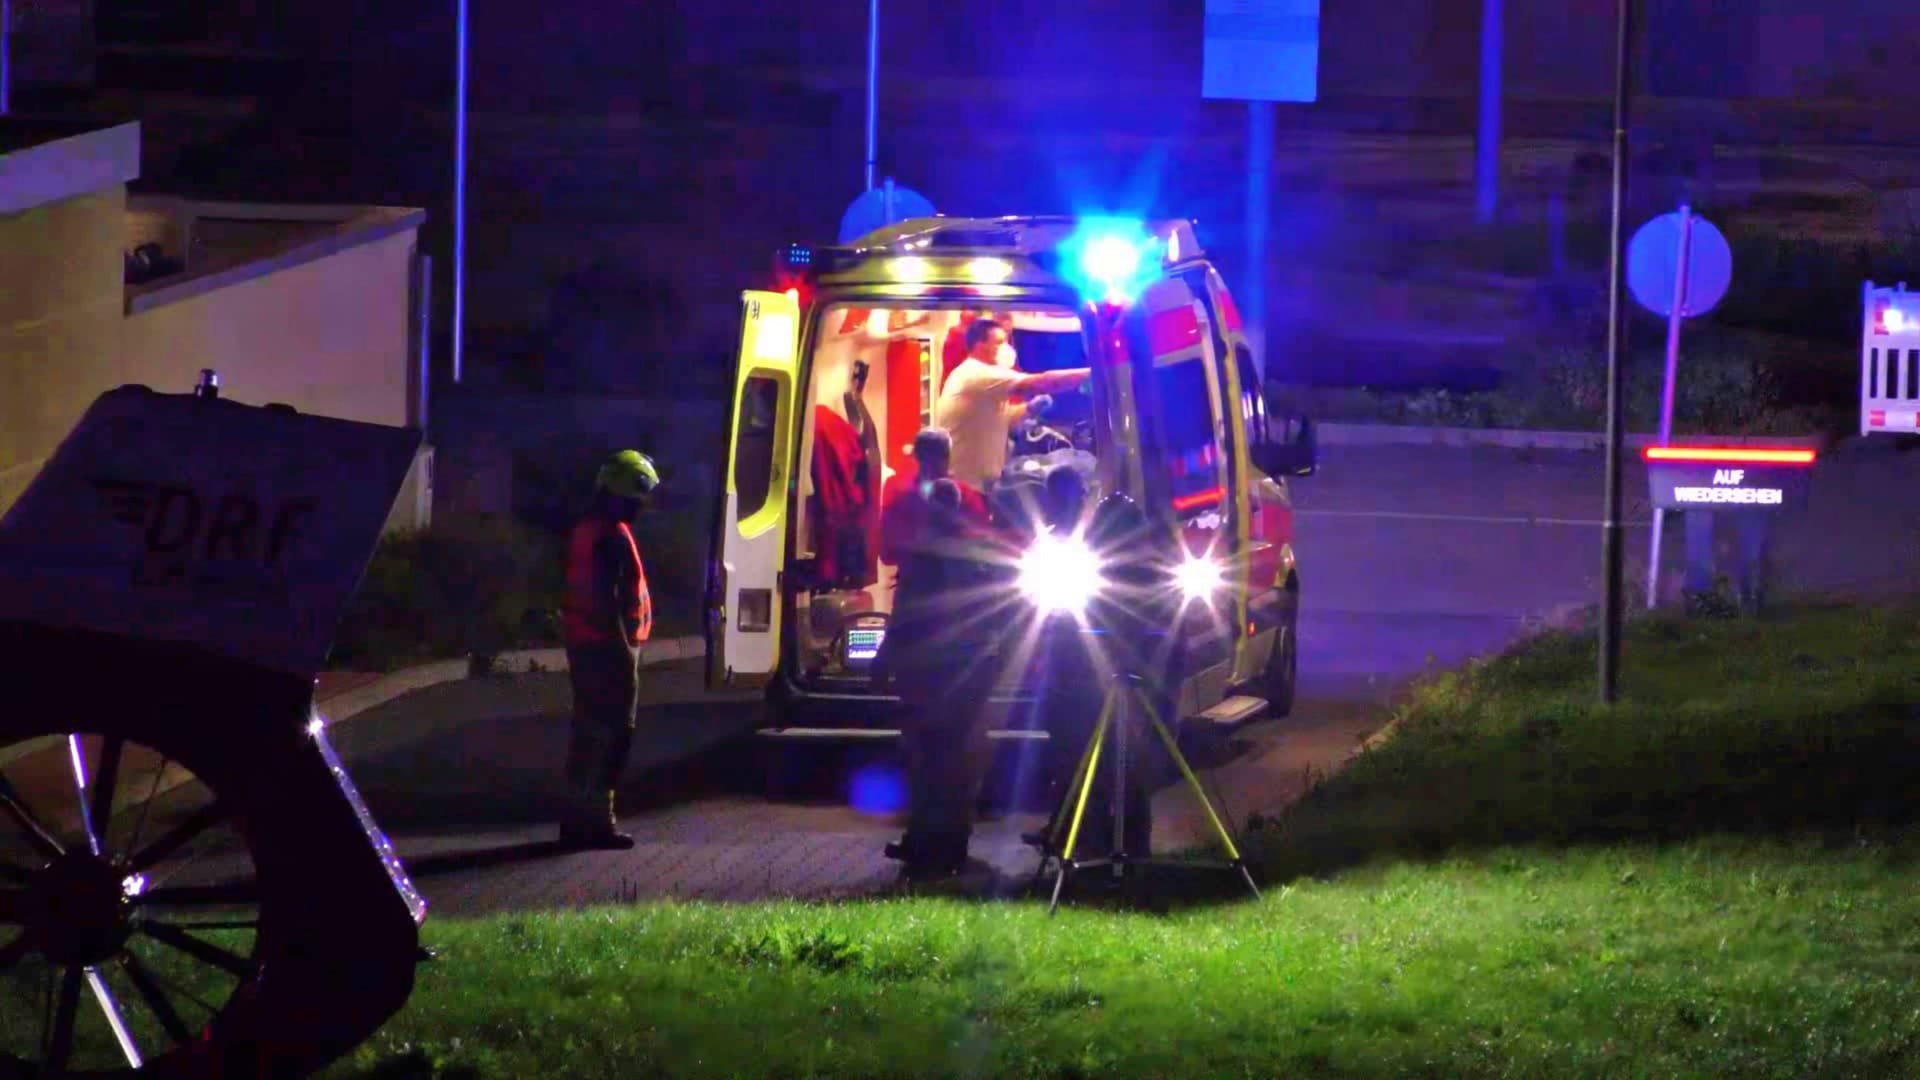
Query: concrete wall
[61, 300]
[328, 336]
[331, 336]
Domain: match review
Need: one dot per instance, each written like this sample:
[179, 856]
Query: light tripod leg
[1057, 824]
[1080, 800]
[1206, 804]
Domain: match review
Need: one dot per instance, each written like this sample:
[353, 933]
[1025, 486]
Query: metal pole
[1610, 624]
[1259, 207]
[873, 84]
[459, 183]
[1487, 148]
[1674, 318]
[423, 327]
[6, 54]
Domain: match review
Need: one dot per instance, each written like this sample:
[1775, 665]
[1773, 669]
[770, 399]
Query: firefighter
[937, 654]
[606, 619]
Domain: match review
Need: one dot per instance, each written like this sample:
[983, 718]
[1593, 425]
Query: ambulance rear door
[744, 590]
[1187, 445]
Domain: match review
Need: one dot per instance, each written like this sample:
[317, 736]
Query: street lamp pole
[873, 83]
[459, 182]
[6, 52]
[1611, 606]
[1486, 156]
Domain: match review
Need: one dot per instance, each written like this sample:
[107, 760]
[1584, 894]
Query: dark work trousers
[606, 697]
[944, 680]
[1749, 577]
[948, 752]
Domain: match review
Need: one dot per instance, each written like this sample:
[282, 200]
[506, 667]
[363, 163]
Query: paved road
[1412, 557]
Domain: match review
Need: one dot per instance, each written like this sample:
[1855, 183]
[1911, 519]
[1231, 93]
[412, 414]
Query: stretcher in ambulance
[846, 359]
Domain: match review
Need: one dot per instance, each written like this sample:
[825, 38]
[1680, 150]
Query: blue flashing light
[797, 256]
[1111, 259]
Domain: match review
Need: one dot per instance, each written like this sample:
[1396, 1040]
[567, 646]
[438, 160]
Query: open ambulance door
[750, 543]
[1188, 458]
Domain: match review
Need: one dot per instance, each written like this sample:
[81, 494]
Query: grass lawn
[1719, 877]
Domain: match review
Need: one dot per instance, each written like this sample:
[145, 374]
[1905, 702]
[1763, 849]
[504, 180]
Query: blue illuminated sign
[1261, 50]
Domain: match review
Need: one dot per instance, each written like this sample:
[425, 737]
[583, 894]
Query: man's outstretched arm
[1051, 382]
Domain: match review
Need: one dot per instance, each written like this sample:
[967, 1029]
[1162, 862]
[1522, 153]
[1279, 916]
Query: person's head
[626, 483]
[990, 342]
[1066, 498]
[933, 453]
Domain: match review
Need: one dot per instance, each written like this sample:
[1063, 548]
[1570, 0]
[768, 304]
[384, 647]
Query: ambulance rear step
[1234, 710]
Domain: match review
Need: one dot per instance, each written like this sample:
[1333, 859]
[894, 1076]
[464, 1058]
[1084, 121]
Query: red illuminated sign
[1719, 455]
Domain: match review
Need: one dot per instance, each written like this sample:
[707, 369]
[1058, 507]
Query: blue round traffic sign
[881, 206]
[1653, 260]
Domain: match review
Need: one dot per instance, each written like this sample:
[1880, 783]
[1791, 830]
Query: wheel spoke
[146, 804]
[110, 1008]
[177, 837]
[221, 893]
[204, 951]
[157, 1001]
[37, 834]
[60, 1039]
[79, 759]
[100, 816]
[219, 924]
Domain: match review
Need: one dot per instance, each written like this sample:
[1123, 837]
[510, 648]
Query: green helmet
[628, 474]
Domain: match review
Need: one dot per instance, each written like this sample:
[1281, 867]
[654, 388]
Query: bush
[473, 585]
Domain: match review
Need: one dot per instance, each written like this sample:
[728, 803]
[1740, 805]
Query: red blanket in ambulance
[843, 514]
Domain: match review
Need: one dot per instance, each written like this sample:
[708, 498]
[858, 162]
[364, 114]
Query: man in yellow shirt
[976, 404]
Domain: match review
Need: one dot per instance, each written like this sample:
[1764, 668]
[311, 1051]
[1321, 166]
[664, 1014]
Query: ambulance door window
[753, 454]
[1253, 404]
[1190, 425]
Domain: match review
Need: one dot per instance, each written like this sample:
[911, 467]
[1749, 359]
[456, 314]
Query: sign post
[1750, 484]
[1260, 52]
[1678, 265]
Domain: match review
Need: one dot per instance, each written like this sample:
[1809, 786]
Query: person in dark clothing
[938, 655]
[606, 618]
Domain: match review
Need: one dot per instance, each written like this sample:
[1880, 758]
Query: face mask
[1004, 356]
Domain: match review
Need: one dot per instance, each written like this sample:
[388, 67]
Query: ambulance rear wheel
[130, 910]
[1283, 667]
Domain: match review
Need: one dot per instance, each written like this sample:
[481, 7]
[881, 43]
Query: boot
[598, 831]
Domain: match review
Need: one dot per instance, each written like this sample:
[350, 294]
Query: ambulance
[844, 360]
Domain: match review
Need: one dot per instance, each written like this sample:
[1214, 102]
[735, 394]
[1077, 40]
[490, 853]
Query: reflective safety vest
[596, 592]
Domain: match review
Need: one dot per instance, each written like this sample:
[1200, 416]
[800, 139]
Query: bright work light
[1198, 577]
[1060, 574]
